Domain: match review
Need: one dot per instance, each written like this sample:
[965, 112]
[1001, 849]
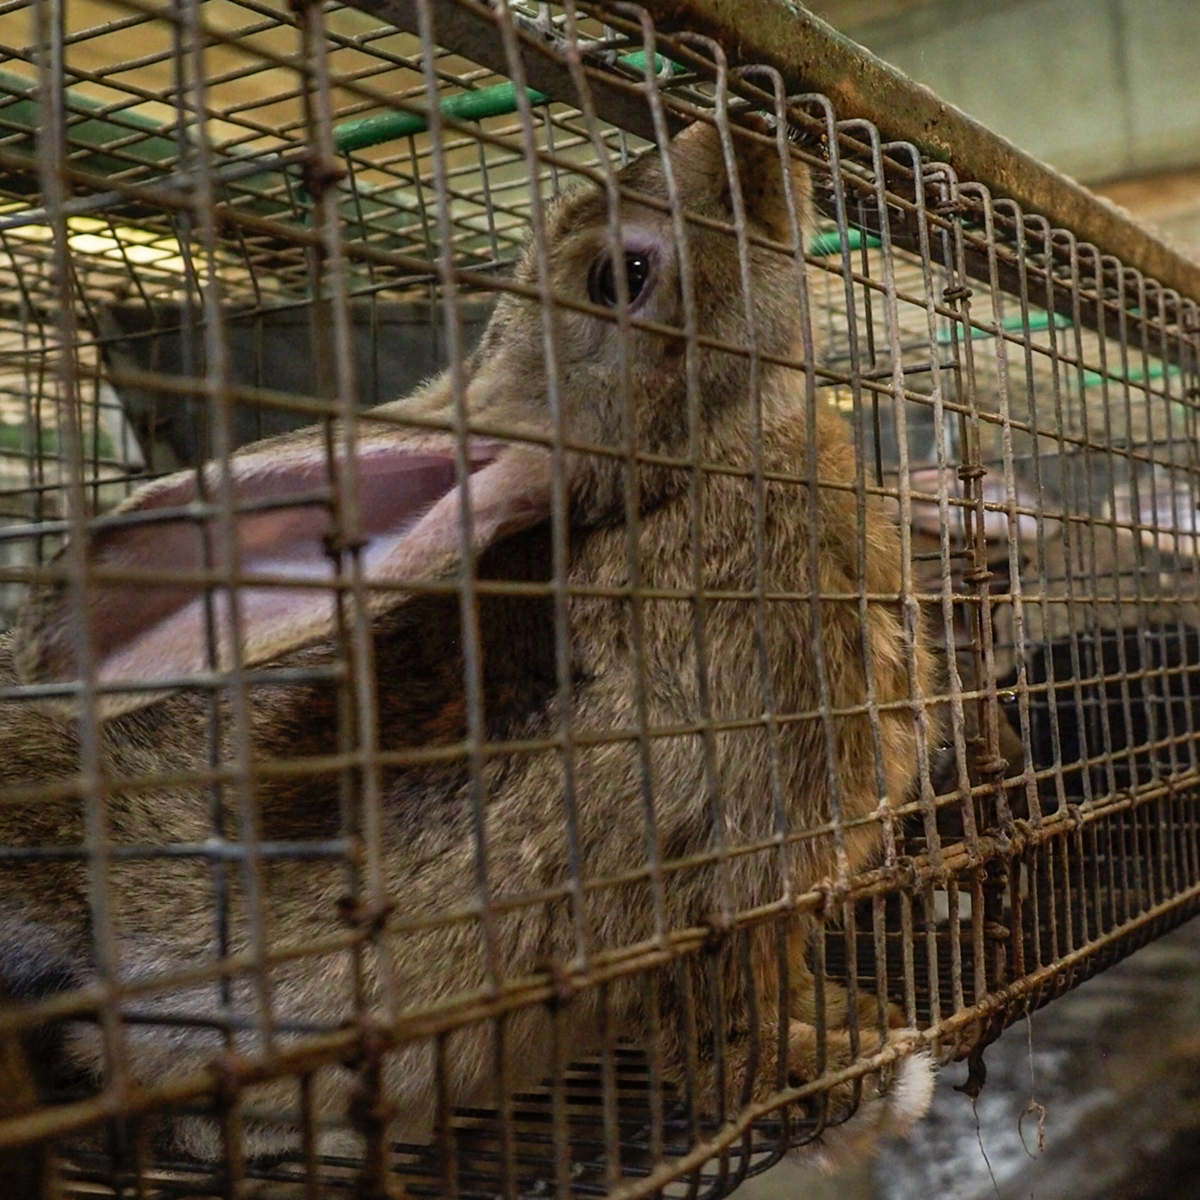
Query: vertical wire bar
[559, 509]
[632, 504]
[901, 151]
[190, 345]
[1125, 821]
[909, 967]
[958, 999]
[1040, 557]
[718, 1009]
[692, 391]
[1149, 524]
[1017, 876]
[1157, 841]
[633, 565]
[560, 499]
[345, 546]
[879, 937]
[1143, 856]
[217, 391]
[695, 537]
[820, 987]
[834, 130]
[1090, 581]
[850, 941]
[747, 967]
[1166, 855]
[1189, 327]
[486, 189]
[560, 1130]
[1031, 866]
[610, 1118]
[883, 814]
[467, 590]
[448, 1147]
[1157, 324]
[368, 393]
[713, 784]
[1135, 533]
[988, 704]
[691, 1057]
[1015, 540]
[929, 918]
[1053, 926]
[346, 542]
[52, 157]
[468, 605]
[1068, 532]
[1120, 585]
[1088, 564]
[308, 1139]
[978, 917]
[795, 233]
[729, 159]
[971, 472]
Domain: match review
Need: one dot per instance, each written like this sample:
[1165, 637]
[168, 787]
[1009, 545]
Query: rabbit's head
[585, 261]
[406, 479]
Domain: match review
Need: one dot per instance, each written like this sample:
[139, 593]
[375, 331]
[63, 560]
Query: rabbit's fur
[163, 910]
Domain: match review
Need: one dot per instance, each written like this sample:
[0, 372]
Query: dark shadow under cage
[766, 655]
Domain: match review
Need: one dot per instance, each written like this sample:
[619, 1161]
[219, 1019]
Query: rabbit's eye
[602, 279]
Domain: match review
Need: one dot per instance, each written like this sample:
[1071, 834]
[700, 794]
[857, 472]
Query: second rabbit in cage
[606, 856]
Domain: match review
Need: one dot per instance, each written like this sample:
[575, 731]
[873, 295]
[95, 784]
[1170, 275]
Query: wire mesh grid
[800, 675]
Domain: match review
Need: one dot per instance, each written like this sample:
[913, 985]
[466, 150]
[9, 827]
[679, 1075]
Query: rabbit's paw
[836, 1004]
[862, 1113]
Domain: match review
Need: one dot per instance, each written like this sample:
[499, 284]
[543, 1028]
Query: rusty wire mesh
[227, 221]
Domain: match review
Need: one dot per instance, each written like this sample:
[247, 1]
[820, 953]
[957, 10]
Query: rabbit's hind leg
[834, 999]
[860, 1112]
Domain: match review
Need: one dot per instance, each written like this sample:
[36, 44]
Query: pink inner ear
[410, 517]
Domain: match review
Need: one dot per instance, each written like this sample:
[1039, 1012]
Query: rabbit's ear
[700, 165]
[148, 631]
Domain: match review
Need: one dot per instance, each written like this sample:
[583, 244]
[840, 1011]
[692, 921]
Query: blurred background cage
[251, 193]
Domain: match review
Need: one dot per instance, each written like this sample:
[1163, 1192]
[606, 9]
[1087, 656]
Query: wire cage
[641, 820]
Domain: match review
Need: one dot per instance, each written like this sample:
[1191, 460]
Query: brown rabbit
[162, 908]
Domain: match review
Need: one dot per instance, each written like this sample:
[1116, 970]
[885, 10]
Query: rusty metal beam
[812, 56]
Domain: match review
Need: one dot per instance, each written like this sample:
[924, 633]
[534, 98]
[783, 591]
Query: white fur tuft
[912, 1091]
[893, 1114]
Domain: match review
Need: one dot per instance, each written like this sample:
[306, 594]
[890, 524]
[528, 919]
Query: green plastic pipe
[1013, 324]
[464, 106]
[498, 100]
[831, 242]
[159, 147]
[20, 111]
[1041, 320]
